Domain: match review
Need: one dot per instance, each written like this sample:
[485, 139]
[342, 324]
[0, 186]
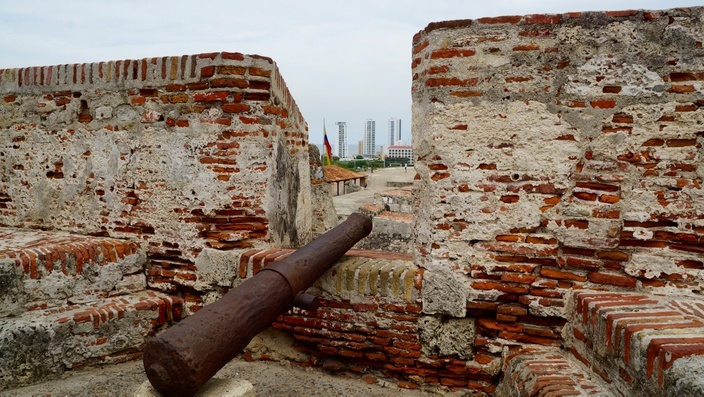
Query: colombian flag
[328, 148]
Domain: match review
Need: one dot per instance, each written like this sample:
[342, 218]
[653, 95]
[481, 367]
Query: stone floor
[376, 183]
[269, 379]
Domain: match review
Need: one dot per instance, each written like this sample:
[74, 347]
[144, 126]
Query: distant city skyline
[368, 145]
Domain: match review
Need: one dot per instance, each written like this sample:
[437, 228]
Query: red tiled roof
[334, 173]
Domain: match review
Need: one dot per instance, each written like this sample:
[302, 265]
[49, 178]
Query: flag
[328, 148]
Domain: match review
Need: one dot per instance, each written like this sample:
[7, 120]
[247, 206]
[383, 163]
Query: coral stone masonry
[559, 153]
[557, 212]
[190, 153]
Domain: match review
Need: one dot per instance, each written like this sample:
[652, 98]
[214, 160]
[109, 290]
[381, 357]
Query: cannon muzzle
[181, 359]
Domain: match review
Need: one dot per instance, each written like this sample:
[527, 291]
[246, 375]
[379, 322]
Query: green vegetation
[359, 164]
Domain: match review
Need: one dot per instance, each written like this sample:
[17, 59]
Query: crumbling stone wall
[191, 154]
[556, 153]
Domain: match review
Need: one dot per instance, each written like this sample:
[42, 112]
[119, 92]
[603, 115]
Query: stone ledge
[634, 339]
[42, 344]
[50, 269]
[547, 372]
[403, 217]
[215, 387]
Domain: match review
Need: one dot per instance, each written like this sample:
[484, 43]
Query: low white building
[399, 151]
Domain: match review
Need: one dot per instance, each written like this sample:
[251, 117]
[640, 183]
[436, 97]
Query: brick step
[648, 344]
[50, 269]
[371, 209]
[540, 371]
[396, 200]
[392, 231]
[42, 344]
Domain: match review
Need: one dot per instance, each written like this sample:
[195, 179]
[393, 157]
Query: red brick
[517, 278]
[603, 104]
[686, 108]
[510, 199]
[207, 71]
[681, 89]
[542, 19]
[211, 96]
[466, 94]
[510, 19]
[229, 83]
[490, 285]
[235, 108]
[523, 338]
[451, 382]
[450, 81]
[512, 309]
[527, 47]
[576, 223]
[613, 279]
[614, 256]
[621, 14]
[582, 263]
[681, 142]
[686, 76]
[611, 89]
[496, 326]
[452, 53]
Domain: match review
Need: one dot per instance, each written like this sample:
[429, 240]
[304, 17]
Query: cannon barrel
[181, 359]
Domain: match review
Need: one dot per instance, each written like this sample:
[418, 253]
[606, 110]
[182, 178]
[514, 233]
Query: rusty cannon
[184, 357]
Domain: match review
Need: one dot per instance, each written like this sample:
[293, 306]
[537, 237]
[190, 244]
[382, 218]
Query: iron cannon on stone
[183, 358]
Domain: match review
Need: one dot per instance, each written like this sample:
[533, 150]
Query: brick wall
[556, 153]
[190, 153]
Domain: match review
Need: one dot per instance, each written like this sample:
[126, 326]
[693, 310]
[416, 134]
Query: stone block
[215, 387]
[443, 292]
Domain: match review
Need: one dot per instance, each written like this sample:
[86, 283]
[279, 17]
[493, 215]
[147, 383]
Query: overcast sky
[343, 60]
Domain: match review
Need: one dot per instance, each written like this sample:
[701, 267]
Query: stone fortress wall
[190, 155]
[559, 223]
[557, 154]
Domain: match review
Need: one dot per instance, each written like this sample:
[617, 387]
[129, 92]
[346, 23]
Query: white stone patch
[103, 112]
[653, 266]
[216, 267]
[642, 234]
[633, 79]
[443, 292]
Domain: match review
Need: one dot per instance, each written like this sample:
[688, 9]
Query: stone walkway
[376, 183]
[268, 378]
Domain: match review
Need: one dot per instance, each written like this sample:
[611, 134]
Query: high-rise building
[394, 131]
[369, 137]
[360, 147]
[341, 139]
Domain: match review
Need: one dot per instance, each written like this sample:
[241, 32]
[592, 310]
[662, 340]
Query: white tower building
[394, 131]
[369, 137]
[341, 139]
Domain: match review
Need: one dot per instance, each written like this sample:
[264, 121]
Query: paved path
[268, 378]
[376, 182]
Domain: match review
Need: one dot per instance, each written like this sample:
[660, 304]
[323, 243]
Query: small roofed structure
[341, 180]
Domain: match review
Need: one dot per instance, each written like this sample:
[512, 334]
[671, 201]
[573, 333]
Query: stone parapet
[47, 269]
[205, 151]
[42, 344]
